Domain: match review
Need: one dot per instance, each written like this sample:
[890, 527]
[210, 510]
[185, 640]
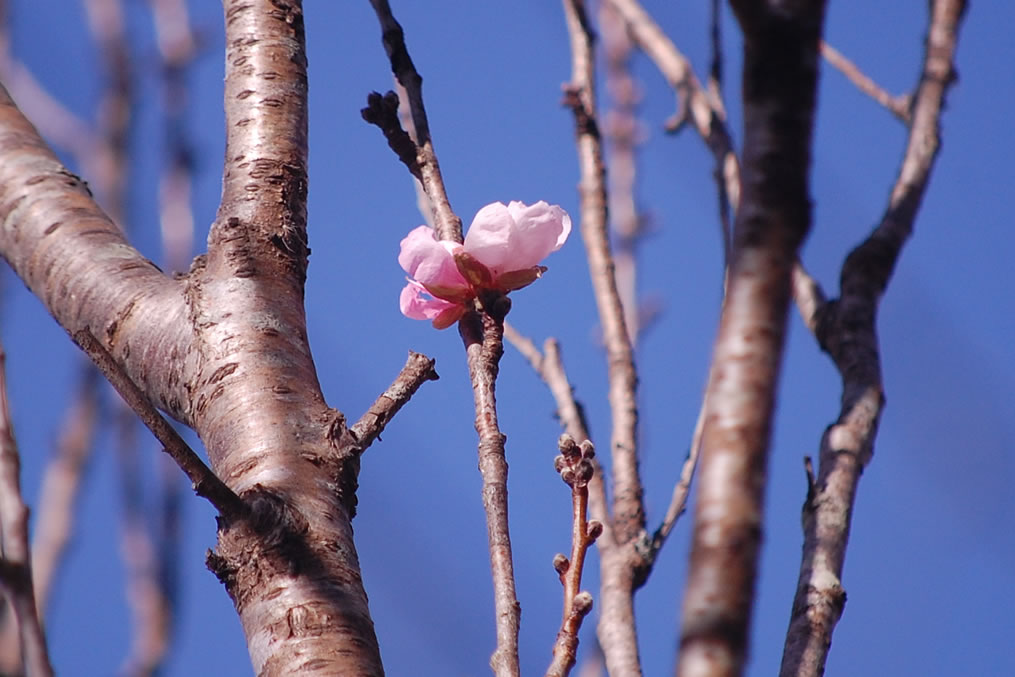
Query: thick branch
[779, 91]
[846, 328]
[57, 239]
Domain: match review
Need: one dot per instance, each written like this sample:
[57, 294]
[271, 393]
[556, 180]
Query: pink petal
[417, 304]
[430, 261]
[516, 236]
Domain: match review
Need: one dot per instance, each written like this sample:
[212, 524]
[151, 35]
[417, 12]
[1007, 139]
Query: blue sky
[928, 571]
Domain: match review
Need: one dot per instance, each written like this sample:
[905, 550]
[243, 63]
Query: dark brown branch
[483, 336]
[383, 112]
[418, 370]
[446, 222]
[203, 480]
[780, 70]
[846, 328]
[15, 557]
[897, 105]
[576, 467]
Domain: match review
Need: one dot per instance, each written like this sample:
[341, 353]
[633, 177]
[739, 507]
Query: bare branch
[418, 370]
[15, 558]
[382, 111]
[57, 504]
[897, 105]
[702, 108]
[623, 564]
[576, 468]
[780, 88]
[446, 222]
[846, 329]
[549, 365]
[483, 336]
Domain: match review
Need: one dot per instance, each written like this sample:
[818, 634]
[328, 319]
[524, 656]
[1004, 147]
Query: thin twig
[205, 483]
[483, 336]
[15, 557]
[623, 562]
[846, 328]
[418, 370]
[576, 468]
[447, 223]
[897, 105]
[628, 512]
[682, 489]
[549, 366]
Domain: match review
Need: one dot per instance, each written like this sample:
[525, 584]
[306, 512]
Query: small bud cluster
[574, 463]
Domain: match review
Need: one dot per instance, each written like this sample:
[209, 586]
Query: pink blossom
[502, 251]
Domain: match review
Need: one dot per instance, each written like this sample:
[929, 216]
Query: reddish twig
[576, 468]
[846, 328]
[15, 557]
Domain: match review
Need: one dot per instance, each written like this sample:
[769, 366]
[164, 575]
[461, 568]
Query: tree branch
[483, 336]
[779, 88]
[846, 328]
[576, 468]
[446, 222]
[418, 369]
[897, 105]
[623, 564]
[15, 558]
[704, 110]
[204, 481]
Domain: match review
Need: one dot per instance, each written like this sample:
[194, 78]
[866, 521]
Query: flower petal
[429, 260]
[516, 236]
[417, 304]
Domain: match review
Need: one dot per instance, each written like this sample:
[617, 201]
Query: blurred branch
[447, 223]
[897, 105]
[780, 69]
[575, 465]
[695, 104]
[846, 328]
[483, 336]
[623, 135]
[15, 558]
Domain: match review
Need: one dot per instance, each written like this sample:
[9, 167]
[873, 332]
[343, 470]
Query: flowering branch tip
[501, 254]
